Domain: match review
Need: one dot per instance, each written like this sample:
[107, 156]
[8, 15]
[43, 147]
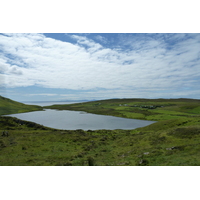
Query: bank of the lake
[50, 103]
[145, 109]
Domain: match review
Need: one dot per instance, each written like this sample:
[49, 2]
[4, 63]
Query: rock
[171, 148]
[143, 162]
[5, 133]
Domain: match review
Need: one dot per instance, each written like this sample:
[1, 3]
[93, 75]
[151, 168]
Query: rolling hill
[8, 106]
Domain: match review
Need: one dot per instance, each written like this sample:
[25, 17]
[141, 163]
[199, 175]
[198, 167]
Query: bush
[185, 132]
[91, 161]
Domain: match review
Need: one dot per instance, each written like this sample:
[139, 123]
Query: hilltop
[8, 106]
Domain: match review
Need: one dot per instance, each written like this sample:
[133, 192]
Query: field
[174, 140]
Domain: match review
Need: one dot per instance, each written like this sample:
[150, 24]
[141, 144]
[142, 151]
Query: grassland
[172, 141]
[145, 109]
[8, 106]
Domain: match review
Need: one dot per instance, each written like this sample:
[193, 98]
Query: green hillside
[145, 109]
[8, 106]
[174, 140]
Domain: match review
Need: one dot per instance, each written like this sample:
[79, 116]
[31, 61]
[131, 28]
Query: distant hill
[8, 106]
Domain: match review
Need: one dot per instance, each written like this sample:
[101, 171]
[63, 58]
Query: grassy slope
[8, 106]
[173, 140]
[163, 109]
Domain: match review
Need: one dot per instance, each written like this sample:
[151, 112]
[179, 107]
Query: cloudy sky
[51, 67]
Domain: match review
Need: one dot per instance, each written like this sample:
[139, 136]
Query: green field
[174, 140]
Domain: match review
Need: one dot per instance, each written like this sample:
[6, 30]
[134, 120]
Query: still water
[72, 120]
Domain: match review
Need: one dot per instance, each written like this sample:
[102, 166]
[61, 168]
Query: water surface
[72, 120]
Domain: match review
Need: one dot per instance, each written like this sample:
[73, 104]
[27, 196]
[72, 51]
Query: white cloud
[88, 43]
[33, 59]
[6, 68]
[39, 94]
[101, 39]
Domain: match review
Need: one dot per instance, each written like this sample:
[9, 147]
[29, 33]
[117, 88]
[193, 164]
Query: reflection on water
[72, 120]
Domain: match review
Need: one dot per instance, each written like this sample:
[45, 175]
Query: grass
[174, 140]
[146, 109]
[8, 106]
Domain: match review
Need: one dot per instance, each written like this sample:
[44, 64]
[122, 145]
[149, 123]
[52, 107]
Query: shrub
[91, 161]
[185, 132]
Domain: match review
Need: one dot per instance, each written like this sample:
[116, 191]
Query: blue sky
[75, 66]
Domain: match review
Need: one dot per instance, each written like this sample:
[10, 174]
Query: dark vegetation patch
[188, 132]
[10, 123]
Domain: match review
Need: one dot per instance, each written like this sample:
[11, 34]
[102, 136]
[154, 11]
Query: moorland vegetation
[174, 140]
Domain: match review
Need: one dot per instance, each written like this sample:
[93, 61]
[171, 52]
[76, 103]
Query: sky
[95, 66]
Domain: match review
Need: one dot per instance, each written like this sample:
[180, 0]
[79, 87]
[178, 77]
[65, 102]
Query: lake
[72, 120]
